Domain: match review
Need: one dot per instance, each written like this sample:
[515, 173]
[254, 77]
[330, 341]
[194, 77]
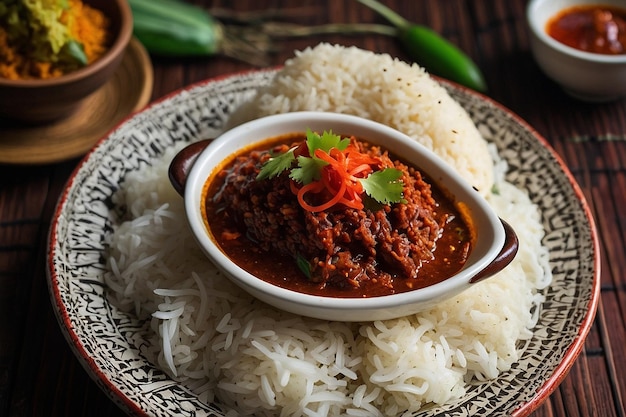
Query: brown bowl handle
[182, 163]
[506, 255]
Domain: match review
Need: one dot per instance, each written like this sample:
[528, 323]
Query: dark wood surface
[39, 374]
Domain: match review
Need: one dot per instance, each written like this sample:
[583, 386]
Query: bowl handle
[506, 255]
[182, 163]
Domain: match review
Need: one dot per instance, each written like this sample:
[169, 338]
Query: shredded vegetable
[331, 171]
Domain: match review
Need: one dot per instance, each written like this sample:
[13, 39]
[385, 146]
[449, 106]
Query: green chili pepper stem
[431, 50]
[393, 17]
[260, 16]
[288, 30]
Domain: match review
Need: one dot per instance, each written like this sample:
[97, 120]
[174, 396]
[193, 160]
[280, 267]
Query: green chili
[427, 48]
[174, 28]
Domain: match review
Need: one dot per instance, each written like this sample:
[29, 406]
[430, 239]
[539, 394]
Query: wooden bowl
[40, 101]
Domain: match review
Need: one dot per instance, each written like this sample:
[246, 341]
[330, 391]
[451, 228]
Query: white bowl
[494, 248]
[586, 76]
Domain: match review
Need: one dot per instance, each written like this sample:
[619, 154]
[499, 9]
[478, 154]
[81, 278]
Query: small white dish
[583, 75]
[495, 244]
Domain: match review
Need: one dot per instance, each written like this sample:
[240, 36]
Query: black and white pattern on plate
[108, 342]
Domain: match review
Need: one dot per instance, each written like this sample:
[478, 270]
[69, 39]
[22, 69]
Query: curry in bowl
[334, 216]
[362, 224]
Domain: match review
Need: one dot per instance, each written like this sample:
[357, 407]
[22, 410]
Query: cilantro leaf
[310, 167]
[308, 170]
[380, 187]
[325, 142]
[275, 165]
[384, 186]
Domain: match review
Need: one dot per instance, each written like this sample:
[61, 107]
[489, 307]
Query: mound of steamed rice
[380, 88]
[250, 358]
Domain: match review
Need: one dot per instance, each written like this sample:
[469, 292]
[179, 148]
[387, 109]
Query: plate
[90, 322]
[127, 91]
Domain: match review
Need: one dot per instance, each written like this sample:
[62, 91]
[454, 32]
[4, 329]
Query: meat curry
[388, 230]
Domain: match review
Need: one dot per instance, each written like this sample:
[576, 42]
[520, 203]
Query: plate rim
[562, 369]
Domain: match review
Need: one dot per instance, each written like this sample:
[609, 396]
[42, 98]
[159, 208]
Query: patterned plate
[106, 340]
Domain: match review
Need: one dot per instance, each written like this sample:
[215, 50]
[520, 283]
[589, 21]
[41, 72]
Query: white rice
[380, 88]
[251, 358]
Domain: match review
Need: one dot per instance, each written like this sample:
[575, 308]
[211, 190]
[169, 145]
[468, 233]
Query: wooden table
[39, 375]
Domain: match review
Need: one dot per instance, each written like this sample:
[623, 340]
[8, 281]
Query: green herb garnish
[337, 170]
